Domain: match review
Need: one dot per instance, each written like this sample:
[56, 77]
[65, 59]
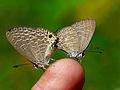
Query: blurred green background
[102, 71]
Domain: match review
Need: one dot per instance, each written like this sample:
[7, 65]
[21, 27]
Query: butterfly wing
[75, 38]
[34, 44]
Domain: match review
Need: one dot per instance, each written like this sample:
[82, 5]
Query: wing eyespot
[50, 35]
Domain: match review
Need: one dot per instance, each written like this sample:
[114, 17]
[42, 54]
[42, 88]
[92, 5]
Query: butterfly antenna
[19, 65]
[96, 51]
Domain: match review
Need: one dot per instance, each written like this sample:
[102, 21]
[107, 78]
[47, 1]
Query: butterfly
[38, 44]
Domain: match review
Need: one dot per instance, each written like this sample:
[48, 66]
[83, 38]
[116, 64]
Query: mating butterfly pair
[37, 44]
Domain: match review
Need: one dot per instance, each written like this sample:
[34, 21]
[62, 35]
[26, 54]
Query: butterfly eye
[9, 30]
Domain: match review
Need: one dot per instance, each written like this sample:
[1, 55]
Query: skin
[64, 74]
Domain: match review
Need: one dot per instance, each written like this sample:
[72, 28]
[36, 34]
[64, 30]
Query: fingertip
[64, 74]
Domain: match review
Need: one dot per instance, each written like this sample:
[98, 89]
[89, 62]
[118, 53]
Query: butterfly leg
[52, 59]
[43, 68]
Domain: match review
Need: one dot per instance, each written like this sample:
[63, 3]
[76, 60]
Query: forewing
[34, 44]
[85, 30]
[76, 37]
